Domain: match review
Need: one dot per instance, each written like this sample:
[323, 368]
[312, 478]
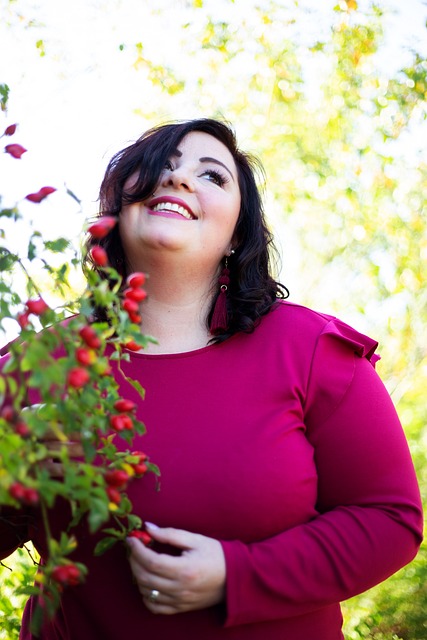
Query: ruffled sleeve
[364, 346]
[332, 367]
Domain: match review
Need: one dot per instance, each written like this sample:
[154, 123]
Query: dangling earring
[219, 317]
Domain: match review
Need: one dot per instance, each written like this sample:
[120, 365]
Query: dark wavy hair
[252, 290]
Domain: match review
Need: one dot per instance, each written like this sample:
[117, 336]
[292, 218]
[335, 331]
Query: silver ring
[154, 594]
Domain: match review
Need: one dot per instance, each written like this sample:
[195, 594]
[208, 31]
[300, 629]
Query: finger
[160, 608]
[175, 537]
[148, 564]
[160, 602]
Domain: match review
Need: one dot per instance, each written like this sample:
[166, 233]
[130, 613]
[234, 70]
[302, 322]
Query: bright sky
[76, 104]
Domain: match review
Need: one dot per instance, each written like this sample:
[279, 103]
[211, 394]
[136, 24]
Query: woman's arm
[369, 523]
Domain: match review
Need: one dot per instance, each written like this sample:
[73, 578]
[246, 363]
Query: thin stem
[46, 522]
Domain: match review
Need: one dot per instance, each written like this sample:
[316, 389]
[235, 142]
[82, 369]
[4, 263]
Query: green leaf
[98, 515]
[31, 250]
[114, 532]
[10, 213]
[104, 544]
[57, 246]
[134, 521]
[4, 96]
[136, 385]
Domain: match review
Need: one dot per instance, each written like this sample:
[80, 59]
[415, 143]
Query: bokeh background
[330, 95]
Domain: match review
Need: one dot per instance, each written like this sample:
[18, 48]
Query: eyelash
[218, 178]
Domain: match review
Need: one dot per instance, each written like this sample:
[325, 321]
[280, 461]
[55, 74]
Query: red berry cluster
[139, 467]
[122, 421]
[117, 480]
[134, 294]
[23, 494]
[36, 307]
[99, 230]
[67, 575]
[79, 376]
[9, 414]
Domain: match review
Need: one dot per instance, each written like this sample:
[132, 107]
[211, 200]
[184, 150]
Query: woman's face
[194, 209]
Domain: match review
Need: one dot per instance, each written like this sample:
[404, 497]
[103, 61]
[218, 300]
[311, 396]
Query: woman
[287, 485]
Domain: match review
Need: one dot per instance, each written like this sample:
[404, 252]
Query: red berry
[10, 130]
[117, 478]
[141, 455]
[141, 535]
[22, 429]
[132, 345]
[67, 575]
[130, 305]
[135, 318]
[124, 405]
[84, 356]
[99, 256]
[121, 422]
[78, 377]
[135, 280]
[102, 227]
[140, 469]
[17, 491]
[114, 495]
[8, 413]
[90, 337]
[135, 294]
[37, 307]
[22, 319]
[15, 150]
[40, 195]
[31, 497]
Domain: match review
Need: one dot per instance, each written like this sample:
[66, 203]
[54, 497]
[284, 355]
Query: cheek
[127, 224]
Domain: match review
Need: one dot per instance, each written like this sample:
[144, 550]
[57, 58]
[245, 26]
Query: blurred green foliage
[340, 130]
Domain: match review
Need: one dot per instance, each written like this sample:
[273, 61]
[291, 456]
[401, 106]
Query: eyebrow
[178, 153]
[207, 159]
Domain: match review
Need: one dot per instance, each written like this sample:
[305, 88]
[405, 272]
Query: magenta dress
[284, 445]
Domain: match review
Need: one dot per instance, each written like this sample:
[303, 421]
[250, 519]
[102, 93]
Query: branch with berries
[67, 432]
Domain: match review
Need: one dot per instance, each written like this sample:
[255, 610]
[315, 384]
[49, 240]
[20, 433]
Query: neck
[175, 311]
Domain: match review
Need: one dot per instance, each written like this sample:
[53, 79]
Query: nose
[179, 178]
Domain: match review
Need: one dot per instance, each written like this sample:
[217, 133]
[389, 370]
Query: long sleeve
[369, 523]
[13, 530]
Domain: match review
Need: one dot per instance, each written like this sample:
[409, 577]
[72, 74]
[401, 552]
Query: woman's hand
[55, 441]
[193, 580]
[54, 446]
